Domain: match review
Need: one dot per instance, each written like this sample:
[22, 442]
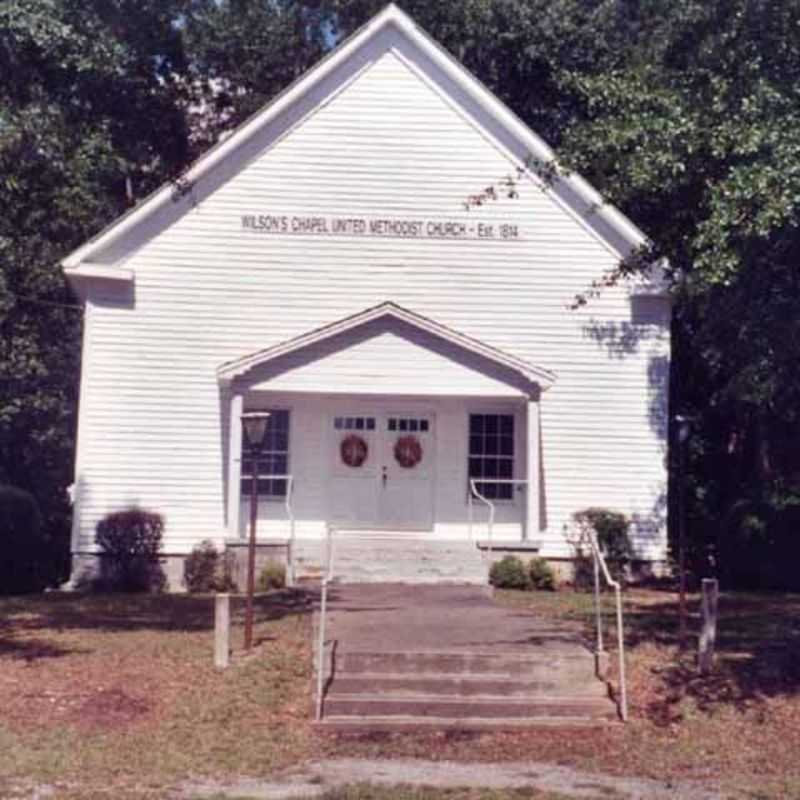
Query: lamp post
[254, 429]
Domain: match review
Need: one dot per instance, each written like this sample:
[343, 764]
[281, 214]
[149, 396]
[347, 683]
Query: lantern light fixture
[254, 428]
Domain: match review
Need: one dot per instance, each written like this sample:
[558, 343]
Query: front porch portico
[382, 422]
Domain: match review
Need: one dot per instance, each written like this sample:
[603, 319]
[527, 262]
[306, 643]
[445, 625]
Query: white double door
[382, 468]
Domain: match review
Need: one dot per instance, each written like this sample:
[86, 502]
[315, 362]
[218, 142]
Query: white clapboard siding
[391, 143]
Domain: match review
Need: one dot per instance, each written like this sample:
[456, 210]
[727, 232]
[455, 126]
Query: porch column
[531, 527]
[234, 463]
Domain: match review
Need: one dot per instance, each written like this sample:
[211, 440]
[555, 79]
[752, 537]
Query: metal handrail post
[322, 615]
[320, 651]
[474, 492]
[490, 504]
[290, 514]
[615, 585]
[597, 611]
[623, 691]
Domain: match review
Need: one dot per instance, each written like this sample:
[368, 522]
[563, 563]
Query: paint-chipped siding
[208, 291]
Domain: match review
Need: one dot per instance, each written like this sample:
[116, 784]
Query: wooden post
[222, 630]
[708, 635]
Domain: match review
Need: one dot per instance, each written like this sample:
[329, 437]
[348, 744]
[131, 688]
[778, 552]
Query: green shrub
[541, 575]
[200, 568]
[509, 573]
[207, 570]
[611, 529]
[23, 558]
[273, 576]
[131, 541]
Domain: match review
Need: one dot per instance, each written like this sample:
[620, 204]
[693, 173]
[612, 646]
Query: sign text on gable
[387, 227]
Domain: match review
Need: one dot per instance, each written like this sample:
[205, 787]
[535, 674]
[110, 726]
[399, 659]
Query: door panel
[407, 471]
[392, 485]
[353, 488]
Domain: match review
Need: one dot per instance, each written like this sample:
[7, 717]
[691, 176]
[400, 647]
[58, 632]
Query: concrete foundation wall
[86, 567]
[308, 564]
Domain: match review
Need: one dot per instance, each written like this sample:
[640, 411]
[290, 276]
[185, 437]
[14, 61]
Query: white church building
[417, 351]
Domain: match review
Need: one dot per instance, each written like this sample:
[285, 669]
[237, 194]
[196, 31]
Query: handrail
[290, 513]
[473, 485]
[328, 575]
[600, 566]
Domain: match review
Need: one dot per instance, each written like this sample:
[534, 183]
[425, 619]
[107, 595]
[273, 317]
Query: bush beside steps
[512, 573]
[207, 570]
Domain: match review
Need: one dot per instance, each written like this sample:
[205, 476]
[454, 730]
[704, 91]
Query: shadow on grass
[758, 643]
[26, 620]
[32, 649]
[757, 649]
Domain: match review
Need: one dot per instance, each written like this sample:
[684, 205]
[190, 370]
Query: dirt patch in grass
[739, 727]
[119, 694]
[401, 792]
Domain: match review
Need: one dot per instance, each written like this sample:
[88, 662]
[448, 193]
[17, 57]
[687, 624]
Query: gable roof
[166, 204]
[389, 311]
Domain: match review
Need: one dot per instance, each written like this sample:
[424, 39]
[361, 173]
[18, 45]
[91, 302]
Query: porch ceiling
[420, 333]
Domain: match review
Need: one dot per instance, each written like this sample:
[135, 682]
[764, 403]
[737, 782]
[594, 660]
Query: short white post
[222, 630]
[708, 634]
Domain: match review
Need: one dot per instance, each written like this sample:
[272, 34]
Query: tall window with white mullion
[491, 455]
[273, 459]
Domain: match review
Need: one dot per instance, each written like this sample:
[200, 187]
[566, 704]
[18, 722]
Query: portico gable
[429, 356]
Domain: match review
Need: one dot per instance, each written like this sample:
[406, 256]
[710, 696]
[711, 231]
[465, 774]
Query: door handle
[383, 477]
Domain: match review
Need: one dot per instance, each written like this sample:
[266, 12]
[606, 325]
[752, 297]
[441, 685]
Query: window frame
[245, 476]
[513, 457]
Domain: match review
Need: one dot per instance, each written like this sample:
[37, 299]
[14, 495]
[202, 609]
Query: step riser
[394, 559]
[543, 669]
[402, 724]
[454, 687]
[309, 579]
[378, 567]
[426, 707]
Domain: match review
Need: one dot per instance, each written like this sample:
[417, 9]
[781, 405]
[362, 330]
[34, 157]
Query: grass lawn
[117, 696]
[114, 696]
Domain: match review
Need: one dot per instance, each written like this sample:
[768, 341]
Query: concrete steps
[362, 705]
[392, 557]
[417, 723]
[389, 685]
[466, 689]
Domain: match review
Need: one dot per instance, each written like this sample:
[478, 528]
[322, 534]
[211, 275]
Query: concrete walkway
[315, 779]
[441, 657]
[392, 617]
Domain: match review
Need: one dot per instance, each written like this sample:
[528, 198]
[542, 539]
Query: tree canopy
[683, 114]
